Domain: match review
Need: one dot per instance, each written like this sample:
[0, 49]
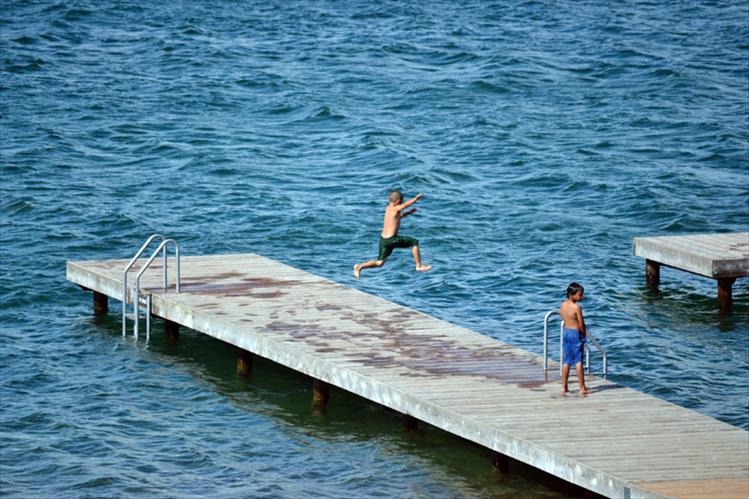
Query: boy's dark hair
[395, 196]
[574, 288]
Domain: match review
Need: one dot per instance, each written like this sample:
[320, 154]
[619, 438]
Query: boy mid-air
[389, 239]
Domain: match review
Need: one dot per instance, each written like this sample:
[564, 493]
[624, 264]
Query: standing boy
[389, 239]
[573, 342]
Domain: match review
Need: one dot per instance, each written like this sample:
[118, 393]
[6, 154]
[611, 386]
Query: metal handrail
[591, 339]
[163, 246]
[603, 352]
[546, 340]
[124, 277]
[148, 317]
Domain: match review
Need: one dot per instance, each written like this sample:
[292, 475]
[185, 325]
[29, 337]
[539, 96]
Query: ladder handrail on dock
[163, 246]
[124, 277]
[604, 354]
[590, 338]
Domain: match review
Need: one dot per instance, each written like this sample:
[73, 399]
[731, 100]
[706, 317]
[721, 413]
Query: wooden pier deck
[724, 257]
[617, 442]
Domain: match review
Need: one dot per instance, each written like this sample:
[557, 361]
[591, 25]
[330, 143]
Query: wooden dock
[617, 442]
[723, 257]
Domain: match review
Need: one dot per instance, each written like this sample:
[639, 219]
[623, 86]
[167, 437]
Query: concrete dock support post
[171, 330]
[725, 294]
[320, 394]
[244, 362]
[101, 303]
[652, 274]
[409, 423]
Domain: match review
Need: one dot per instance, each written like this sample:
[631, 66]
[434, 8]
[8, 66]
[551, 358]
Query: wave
[491, 88]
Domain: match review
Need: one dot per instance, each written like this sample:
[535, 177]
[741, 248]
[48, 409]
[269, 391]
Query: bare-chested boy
[573, 341]
[390, 239]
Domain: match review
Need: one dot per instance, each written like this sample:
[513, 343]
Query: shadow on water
[285, 396]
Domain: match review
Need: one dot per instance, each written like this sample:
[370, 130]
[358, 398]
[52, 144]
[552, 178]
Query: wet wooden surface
[616, 441]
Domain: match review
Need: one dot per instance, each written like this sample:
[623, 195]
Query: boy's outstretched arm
[404, 214]
[408, 203]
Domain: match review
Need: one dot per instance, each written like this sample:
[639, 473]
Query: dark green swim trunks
[388, 244]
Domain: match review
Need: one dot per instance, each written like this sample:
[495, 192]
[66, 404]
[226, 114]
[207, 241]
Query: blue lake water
[544, 137]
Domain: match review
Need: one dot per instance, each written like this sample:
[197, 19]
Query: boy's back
[570, 309]
[571, 312]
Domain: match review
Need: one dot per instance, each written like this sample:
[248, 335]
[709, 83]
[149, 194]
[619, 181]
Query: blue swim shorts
[573, 345]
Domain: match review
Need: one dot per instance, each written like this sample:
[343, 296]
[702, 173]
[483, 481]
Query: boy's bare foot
[423, 268]
[585, 391]
[357, 272]
[565, 391]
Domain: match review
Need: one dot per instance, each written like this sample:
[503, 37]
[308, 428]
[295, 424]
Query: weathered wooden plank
[727, 488]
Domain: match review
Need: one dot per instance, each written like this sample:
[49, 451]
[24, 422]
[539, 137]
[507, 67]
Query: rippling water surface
[544, 136]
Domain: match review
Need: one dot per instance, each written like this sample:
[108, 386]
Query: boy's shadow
[606, 387]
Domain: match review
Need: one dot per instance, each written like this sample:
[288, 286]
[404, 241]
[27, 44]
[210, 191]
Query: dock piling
[725, 294]
[171, 330]
[101, 303]
[409, 423]
[652, 274]
[244, 362]
[320, 394]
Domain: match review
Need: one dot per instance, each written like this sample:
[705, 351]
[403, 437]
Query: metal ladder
[163, 246]
[590, 338]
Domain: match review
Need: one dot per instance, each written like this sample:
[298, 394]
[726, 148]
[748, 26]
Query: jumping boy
[573, 342]
[389, 239]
